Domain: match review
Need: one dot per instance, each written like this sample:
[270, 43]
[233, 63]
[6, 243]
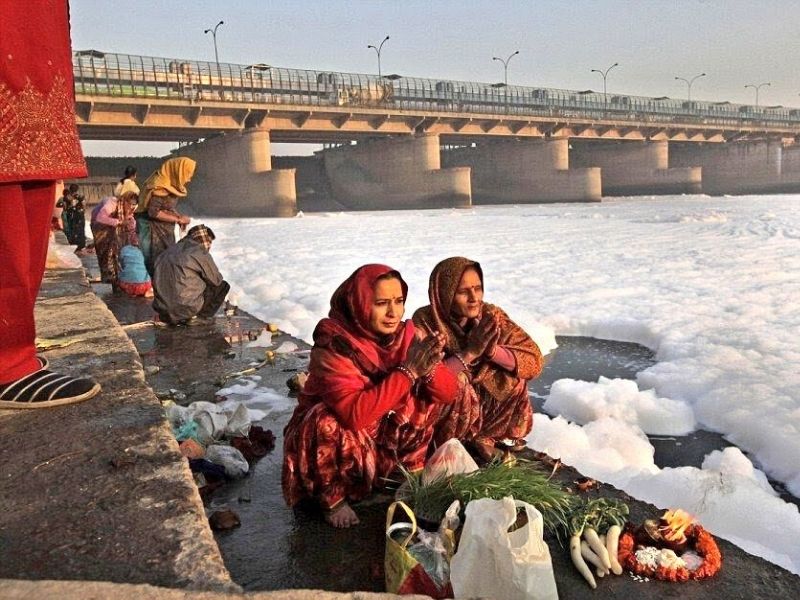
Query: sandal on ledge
[44, 388]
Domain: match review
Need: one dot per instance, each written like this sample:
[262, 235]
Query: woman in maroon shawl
[494, 355]
[371, 399]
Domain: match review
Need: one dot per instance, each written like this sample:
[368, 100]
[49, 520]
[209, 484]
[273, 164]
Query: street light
[378, 51]
[605, 76]
[505, 65]
[756, 88]
[689, 83]
[213, 33]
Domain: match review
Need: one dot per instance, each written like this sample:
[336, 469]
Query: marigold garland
[698, 539]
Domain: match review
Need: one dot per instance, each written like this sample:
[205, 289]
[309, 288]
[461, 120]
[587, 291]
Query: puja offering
[672, 548]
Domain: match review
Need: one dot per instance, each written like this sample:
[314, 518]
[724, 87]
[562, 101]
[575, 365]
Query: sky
[709, 284]
[735, 42]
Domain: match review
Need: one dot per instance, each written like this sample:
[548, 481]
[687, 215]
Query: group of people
[383, 392]
[137, 251]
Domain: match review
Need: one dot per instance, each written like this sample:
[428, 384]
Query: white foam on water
[711, 285]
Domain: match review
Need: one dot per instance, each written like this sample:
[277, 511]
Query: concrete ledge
[98, 490]
[74, 590]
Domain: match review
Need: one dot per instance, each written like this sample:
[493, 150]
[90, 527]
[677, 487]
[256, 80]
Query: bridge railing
[122, 75]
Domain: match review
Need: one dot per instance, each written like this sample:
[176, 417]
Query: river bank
[98, 491]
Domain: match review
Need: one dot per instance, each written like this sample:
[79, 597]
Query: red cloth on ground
[135, 289]
[358, 417]
[38, 144]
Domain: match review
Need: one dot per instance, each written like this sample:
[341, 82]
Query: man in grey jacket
[187, 283]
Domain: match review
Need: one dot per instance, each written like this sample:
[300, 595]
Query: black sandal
[44, 388]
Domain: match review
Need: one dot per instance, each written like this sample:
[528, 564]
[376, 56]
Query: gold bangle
[462, 361]
[407, 372]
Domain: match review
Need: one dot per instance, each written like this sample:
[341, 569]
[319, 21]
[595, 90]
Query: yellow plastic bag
[404, 573]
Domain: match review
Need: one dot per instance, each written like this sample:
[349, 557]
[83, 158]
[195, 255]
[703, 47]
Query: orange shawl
[442, 287]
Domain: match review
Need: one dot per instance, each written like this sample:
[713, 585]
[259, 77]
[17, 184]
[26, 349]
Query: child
[133, 277]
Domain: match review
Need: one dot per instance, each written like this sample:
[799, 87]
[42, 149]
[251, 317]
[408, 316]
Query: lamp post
[605, 76]
[689, 83]
[756, 88]
[378, 52]
[213, 33]
[505, 65]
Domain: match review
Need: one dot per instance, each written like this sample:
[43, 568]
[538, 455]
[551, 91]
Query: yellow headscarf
[170, 179]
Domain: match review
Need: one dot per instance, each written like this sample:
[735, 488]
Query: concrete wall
[395, 173]
[740, 167]
[525, 171]
[234, 177]
[636, 167]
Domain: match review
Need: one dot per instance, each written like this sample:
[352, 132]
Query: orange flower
[698, 538]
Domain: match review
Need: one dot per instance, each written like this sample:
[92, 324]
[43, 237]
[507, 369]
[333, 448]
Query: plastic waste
[187, 431]
[451, 458]
[264, 340]
[228, 458]
[493, 562]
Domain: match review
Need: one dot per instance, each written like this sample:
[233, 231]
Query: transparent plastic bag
[229, 458]
[451, 458]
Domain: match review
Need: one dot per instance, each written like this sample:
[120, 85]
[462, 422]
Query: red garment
[22, 258]
[38, 144]
[358, 417]
[38, 135]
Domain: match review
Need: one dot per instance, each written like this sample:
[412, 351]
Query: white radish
[591, 537]
[591, 557]
[600, 572]
[577, 560]
[612, 546]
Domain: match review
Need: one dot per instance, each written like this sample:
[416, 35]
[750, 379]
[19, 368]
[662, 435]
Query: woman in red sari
[371, 400]
[494, 357]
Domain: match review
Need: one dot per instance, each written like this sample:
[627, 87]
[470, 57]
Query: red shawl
[37, 112]
[348, 358]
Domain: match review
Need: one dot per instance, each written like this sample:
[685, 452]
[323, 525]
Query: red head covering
[348, 320]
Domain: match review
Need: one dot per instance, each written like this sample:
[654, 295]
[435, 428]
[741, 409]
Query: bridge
[497, 143]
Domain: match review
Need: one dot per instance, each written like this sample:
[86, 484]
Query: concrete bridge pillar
[733, 168]
[392, 173]
[525, 171]
[234, 177]
[740, 167]
[636, 167]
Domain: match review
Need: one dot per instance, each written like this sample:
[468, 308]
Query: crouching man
[187, 284]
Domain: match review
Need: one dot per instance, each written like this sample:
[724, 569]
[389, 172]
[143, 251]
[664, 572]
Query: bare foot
[342, 516]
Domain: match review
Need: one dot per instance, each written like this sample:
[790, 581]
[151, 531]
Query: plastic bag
[405, 573]
[492, 562]
[229, 458]
[451, 458]
[238, 423]
[447, 528]
[215, 421]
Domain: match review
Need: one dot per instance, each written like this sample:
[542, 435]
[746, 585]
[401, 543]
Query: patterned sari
[358, 416]
[498, 395]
